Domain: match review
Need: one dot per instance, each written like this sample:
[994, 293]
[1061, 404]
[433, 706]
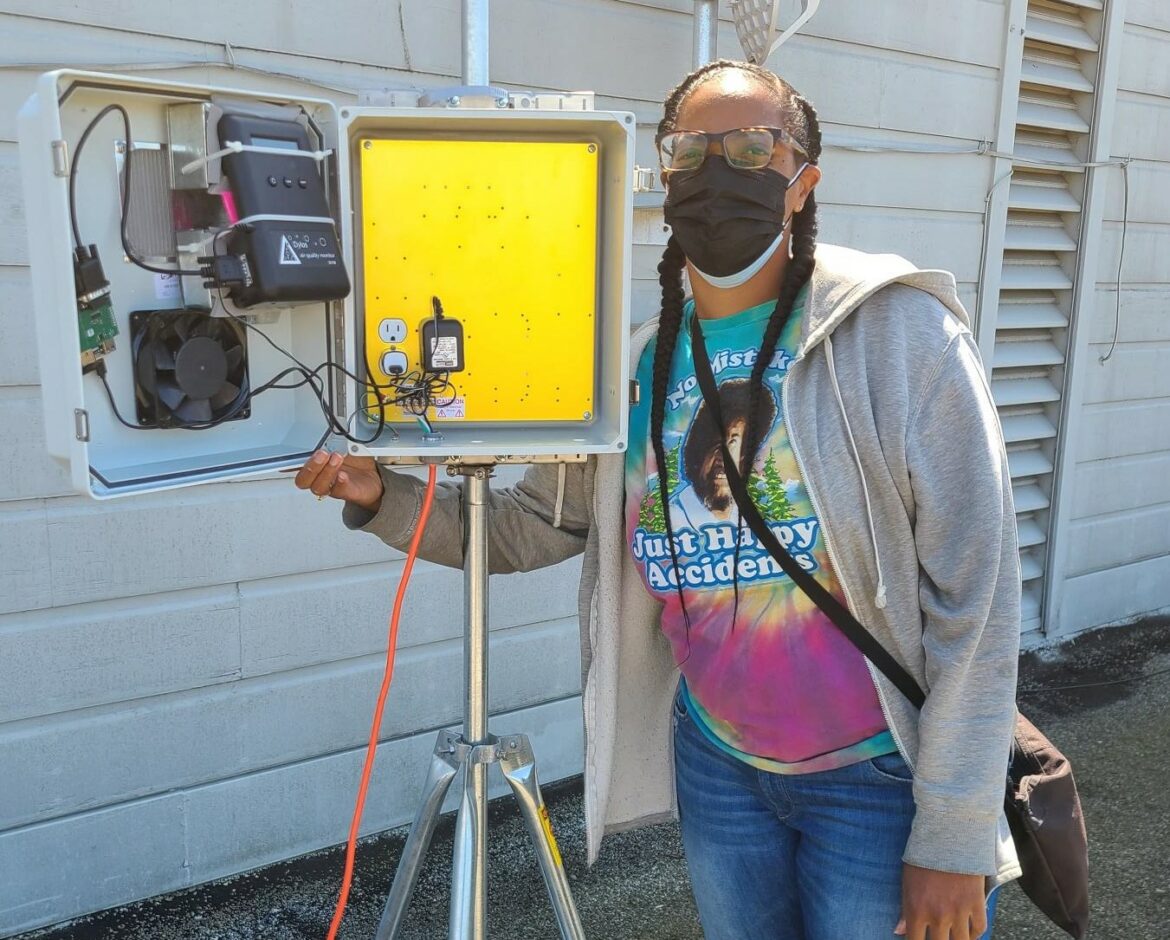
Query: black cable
[101, 373]
[272, 383]
[311, 377]
[318, 385]
[368, 381]
[241, 402]
[331, 423]
[126, 165]
[1120, 260]
[426, 386]
[1140, 677]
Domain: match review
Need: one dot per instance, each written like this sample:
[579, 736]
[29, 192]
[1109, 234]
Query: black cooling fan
[190, 369]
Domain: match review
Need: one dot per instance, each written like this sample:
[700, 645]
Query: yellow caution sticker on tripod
[546, 823]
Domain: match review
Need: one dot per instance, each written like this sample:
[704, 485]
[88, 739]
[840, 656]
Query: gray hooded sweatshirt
[889, 412]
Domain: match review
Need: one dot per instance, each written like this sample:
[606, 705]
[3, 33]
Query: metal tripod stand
[474, 751]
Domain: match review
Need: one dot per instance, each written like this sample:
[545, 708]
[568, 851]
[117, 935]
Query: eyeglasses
[746, 148]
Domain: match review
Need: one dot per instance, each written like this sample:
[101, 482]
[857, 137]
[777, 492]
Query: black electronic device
[284, 232]
[442, 341]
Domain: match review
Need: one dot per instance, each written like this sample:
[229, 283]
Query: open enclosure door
[184, 255]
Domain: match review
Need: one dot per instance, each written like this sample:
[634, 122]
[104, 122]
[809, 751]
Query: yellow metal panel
[505, 234]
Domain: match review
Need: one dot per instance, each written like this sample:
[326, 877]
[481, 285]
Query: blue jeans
[792, 857]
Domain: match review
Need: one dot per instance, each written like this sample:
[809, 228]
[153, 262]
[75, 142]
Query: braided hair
[802, 123]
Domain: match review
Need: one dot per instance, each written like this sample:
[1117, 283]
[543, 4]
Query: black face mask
[725, 219]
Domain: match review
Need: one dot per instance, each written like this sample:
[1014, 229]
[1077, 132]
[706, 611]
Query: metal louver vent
[1041, 241]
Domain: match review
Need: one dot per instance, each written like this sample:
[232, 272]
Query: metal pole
[475, 42]
[706, 38]
[469, 868]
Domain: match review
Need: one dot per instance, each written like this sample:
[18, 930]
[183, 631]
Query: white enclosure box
[518, 220]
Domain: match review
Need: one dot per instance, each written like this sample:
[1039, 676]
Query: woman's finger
[341, 487]
[964, 927]
[328, 476]
[309, 472]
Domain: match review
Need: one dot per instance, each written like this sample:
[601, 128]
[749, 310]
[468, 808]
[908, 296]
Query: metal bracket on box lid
[490, 97]
[470, 460]
[571, 101]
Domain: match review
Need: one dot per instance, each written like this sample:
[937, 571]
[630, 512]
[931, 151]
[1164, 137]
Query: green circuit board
[97, 328]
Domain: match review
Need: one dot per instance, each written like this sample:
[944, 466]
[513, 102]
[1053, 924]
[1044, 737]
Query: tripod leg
[445, 764]
[519, 767]
[469, 863]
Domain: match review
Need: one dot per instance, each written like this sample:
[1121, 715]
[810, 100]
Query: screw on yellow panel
[505, 233]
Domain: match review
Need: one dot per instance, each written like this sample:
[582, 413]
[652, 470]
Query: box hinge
[635, 392]
[645, 179]
[60, 151]
[81, 424]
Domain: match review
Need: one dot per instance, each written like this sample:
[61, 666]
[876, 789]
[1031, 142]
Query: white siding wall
[1118, 564]
[186, 678]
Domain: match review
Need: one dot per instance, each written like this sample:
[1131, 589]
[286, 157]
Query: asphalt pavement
[1103, 698]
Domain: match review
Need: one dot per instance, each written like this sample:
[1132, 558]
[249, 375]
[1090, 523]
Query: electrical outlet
[394, 363]
[392, 330]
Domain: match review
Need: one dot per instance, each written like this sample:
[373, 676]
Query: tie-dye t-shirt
[784, 689]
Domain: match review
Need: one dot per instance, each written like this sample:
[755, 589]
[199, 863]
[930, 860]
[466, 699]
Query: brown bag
[1044, 812]
[1041, 802]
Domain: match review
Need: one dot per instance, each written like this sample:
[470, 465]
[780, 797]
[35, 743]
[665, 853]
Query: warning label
[453, 409]
[314, 250]
[288, 254]
[444, 352]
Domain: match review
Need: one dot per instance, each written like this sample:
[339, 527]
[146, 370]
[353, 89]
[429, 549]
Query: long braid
[803, 245]
[670, 270]
[796, 275]
[803, 241]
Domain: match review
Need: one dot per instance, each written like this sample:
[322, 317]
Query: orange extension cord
[371, 748]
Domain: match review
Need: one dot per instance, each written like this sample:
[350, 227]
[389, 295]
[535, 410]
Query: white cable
[196, 64]
[880, 597]
[273, 217]
[986, 215]
[982, 148]
[235, 146]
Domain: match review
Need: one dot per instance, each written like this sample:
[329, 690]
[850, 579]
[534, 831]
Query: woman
[815, 802]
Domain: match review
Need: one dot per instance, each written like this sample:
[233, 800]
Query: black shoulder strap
[829, 605]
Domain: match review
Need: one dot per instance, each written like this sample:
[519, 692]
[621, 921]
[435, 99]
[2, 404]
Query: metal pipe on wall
[475, 42]
[706, 37]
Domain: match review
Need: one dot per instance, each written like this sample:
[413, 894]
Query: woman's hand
[951, 906]
[354, 479]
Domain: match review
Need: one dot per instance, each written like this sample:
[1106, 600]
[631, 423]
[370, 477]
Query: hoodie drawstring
[561, 469]
[879, 598]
